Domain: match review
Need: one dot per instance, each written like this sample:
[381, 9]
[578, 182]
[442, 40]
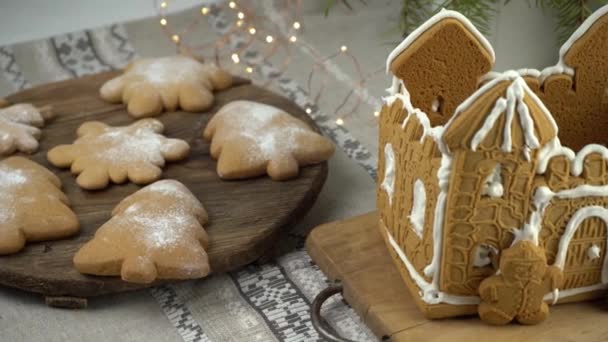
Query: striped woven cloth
[268, 302]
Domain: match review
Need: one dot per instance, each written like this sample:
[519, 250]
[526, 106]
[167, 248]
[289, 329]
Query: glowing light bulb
[293, 39]
[376, 113]
[241, 15]
[343, 48]
[163, 4]
[269, 39]
[339, 122]
[232, 4]
[235, 58]
[163, 21]
[175, 38]
[252, 30]
[205, 10]
[308, 110]
[249, 70]
[239, 23]
[296, 25]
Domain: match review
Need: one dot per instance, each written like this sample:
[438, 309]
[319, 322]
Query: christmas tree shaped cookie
[19, 127]
[32, 205]
[251, 139]
[156, 233]
[150, 85]
[103, 153]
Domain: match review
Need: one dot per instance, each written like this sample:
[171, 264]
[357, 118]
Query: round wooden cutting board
[246, 217]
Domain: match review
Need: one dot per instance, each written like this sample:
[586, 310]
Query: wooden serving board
[353, 252]
[246, 217]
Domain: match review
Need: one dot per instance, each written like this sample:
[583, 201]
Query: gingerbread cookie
[19, 127]
[251, 139]
[152, 84]
[103, 153]
[156, 233]
[32, 205]
[517, 292]
[440, 64]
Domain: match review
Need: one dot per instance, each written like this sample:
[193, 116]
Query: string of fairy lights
[273, 40]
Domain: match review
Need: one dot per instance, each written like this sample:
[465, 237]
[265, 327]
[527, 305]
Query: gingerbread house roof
[504, 114]
[442, 15]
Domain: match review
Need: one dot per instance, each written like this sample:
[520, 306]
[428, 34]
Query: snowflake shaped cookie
[156, 233]
[102, 153]
[251, 139]
[150, 85]
[32, 205]
[19, 127]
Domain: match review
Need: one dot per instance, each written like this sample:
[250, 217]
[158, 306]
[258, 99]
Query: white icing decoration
[388, 183]
[492, 186]
[435, 105]
[554, 297]
[432, 270]
[593, 252]
[577, 163]
[429, 291]
[554, 148]
[521, 72]
[542, 198]
[578, 217]
[561, 66]
[418, 208]
[514, 101]
[526, 153]
[394, 88]
[483, 254]
[555, 70]
[443, 14]
[531, 229]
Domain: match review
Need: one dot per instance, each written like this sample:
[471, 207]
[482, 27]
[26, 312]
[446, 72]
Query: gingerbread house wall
[581, 269]
[474, 219]
[421, 159]
[584, 91]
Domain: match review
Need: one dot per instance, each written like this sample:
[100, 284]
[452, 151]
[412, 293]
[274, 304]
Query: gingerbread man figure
[517, 291]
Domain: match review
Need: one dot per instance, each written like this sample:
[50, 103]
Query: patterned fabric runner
[269, 302]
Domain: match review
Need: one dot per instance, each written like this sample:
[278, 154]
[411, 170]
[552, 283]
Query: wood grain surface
[246, 217]
[353, 252]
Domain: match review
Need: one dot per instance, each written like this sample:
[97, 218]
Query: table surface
[266, 302]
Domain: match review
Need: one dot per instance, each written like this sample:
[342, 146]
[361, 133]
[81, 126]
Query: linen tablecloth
[267, 302]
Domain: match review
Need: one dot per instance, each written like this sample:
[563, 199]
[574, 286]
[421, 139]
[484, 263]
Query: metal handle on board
[318, 322]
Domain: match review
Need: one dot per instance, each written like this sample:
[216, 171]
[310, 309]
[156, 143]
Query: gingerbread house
[473, 161]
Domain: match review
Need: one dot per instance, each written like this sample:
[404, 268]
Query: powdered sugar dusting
[271, 131]
[161, 224]
[22, 113]
[160, 229]
[10, 180]
[167, 69]
[123, 144]
[18, 128]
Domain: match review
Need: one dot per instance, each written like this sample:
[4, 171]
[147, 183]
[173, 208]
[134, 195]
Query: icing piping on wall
[388, 184]
[418, 208]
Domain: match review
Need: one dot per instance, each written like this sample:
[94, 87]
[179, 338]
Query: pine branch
[571, 14]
